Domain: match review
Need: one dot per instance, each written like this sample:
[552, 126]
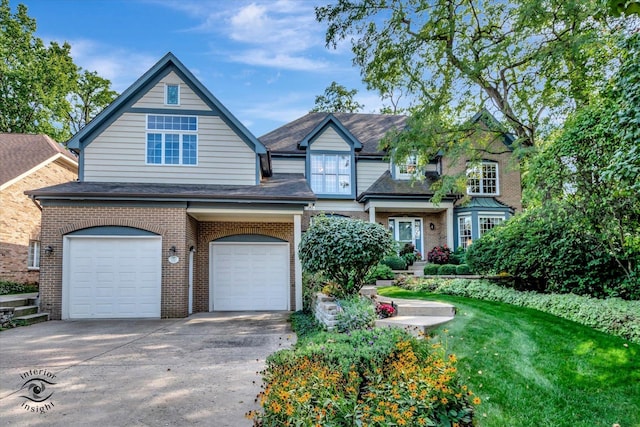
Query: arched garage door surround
[111, 272]
[249, 272]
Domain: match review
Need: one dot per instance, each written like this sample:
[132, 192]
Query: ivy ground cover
[531, 368]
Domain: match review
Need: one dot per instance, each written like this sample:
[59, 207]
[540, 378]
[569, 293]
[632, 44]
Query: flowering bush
[372, 378]
[384, 310]
[439, 255]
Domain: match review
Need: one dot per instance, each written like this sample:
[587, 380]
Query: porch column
[297, 267]
[450, 227]
[372, 214]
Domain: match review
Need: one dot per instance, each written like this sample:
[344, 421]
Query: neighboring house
[176, 210]
[26, 162]
[180, 209]
[340, 156]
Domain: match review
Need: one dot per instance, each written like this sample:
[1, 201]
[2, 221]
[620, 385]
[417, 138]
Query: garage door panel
[113, 277]
[250, 276]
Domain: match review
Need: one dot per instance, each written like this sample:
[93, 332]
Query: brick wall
[170, 223]
[20, 220]
[508, 170]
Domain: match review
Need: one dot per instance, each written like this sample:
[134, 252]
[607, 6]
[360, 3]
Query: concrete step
[14, 302]
[416, 325]
[25, 310]
[30, 319]
[421, 308]
[369, 290]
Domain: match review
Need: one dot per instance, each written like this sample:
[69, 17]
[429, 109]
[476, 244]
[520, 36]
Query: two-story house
[179, 208]
[341, 157]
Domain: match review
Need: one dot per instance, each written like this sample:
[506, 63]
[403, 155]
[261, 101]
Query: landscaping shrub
[458, 256]
[311, 284]
[9, 288]
[379, 272]
[344, 250]
[408, 253]
[447, 270]
[431, 269]
[377, 377]
[614, 315]
[545, 250]
[357, 312]
[439, 255]
[394, 262]
[409, 258]
[304, 324]
[463, 269]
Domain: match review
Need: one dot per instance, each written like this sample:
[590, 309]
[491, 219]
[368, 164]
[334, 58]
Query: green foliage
[613, 315]
[447, 270]
[394, 262]
[458, 256]
[344, 250]
[379, 272]
[337, 99]
[9, 288]
[38, 81]
[463, 269]
[311, 285]
[515, 57]
[304, 324]
[431, 269]
[624, 7]
[91, 94]
[356, 312]
[548, 249]
[379, 377]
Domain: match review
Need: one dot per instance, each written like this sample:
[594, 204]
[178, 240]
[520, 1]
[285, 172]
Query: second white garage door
[112, 277]
[249, 276]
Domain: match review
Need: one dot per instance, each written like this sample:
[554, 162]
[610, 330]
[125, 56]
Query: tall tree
[91, 95]
[525, 60]
[337, 99]
[39, 84]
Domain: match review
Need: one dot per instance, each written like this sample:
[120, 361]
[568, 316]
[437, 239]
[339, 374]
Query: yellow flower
[476, 400]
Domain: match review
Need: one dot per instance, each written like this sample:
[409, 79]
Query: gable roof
[367, 129]
[331, 121]
[132, 94]
[20, 153]
[385, 187]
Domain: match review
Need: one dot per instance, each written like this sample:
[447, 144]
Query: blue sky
[265, 60]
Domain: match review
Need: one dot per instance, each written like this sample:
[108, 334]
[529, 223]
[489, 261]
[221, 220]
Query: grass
[535, 369]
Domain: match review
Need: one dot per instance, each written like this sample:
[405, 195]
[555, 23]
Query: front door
[407, 230]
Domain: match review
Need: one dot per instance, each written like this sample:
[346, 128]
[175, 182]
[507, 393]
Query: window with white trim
[330, 173]
[172, 94]
[486, 223]
[482, 179]
[407, 169]
[464, 231]
[179, 146]
[33, 262]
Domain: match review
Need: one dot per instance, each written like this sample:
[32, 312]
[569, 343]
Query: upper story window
[331, 173]
[482, 179]
[178, 146]
[33, 262]
[172, 94]
[407, 169]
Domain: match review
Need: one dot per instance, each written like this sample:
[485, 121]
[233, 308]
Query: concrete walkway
[202, 370]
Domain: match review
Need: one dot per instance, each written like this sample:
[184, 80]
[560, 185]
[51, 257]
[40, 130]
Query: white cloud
[267, 58]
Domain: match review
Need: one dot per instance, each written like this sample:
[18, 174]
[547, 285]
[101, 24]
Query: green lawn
[534, 369]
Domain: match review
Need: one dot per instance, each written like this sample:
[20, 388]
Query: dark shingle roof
[369, 129]
[21, 152]
[386, 186]
[279, 188]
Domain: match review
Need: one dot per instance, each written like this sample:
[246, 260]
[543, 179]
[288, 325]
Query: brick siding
[20, 221]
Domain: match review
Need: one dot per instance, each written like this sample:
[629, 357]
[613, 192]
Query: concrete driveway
[202, 370]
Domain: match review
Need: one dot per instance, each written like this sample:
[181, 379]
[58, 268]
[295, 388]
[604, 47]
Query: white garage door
[249, 276]
[112, 277]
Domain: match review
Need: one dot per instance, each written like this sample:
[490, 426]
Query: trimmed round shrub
[379, 272]
[431, 269]
[394, 262]
[463, 269]
[447, 270]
